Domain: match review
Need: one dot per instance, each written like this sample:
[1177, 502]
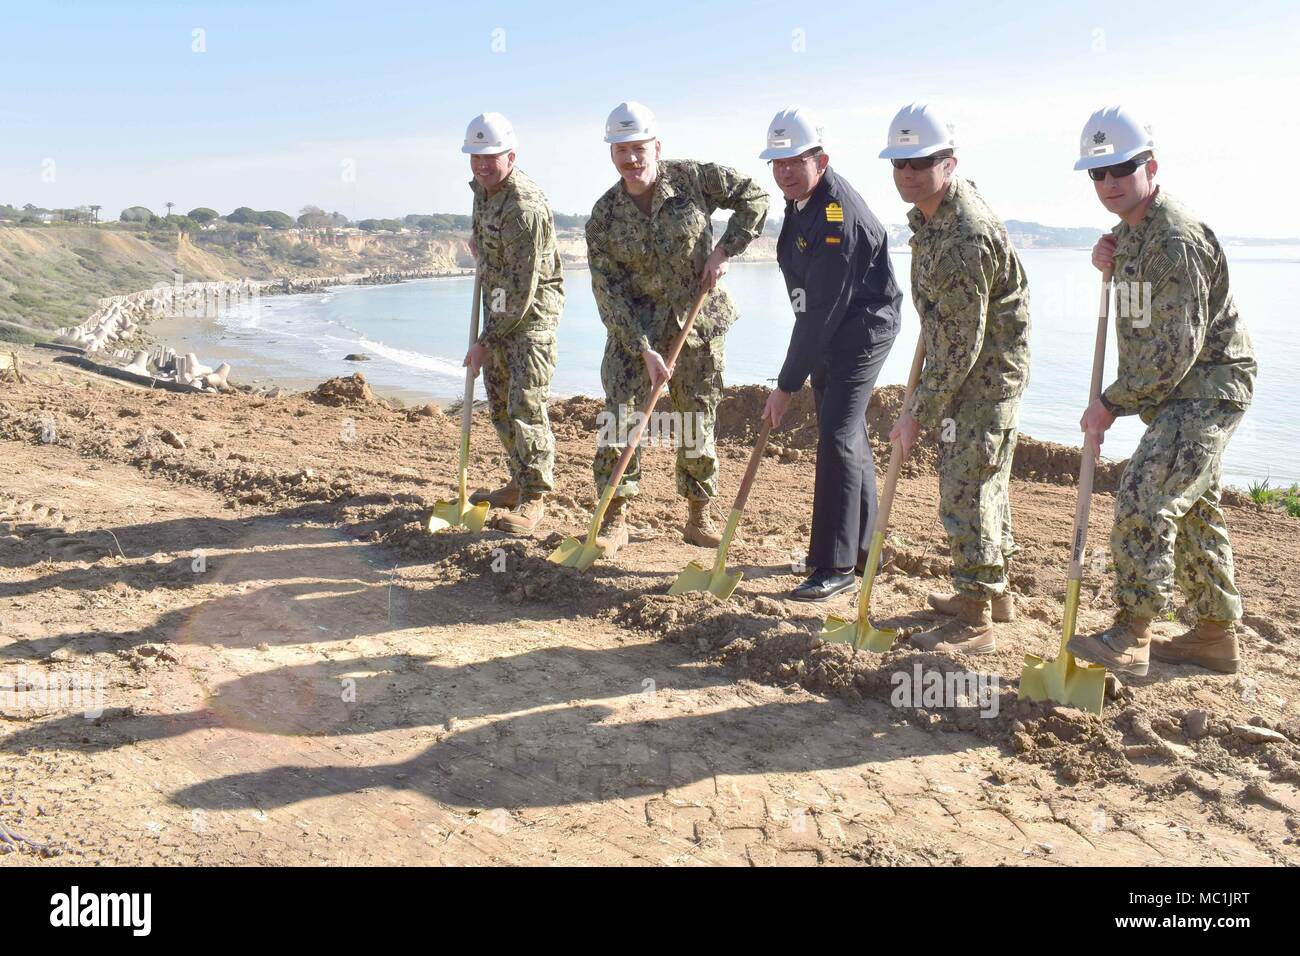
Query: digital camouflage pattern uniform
[972, 297]
[1186, 366]
[645, 273]
[523, 295]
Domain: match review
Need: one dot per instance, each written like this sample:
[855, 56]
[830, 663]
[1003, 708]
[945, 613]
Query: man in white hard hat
[834, 255]
[972, 297]
[523, 294]
[651, 252]
[1187, 367]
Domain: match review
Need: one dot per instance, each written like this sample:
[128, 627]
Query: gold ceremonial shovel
[583, 554]
[460, 513]
[1065, 679]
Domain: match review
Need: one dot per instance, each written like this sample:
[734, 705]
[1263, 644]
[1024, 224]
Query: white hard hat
[917, 131]
[488, 134]
[791, 132]
[631, 122]
[1112, 135]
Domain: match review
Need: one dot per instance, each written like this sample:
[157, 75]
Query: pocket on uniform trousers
[993, 441]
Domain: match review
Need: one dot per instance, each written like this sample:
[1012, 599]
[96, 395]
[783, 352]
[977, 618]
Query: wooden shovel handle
[751, 470]
[635, 438]
[1088, 464]
[896, 453]
[467, 409]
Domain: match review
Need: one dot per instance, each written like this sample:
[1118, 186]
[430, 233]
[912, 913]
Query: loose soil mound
[345, 390]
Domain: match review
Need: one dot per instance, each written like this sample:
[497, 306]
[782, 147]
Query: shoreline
[256, 368]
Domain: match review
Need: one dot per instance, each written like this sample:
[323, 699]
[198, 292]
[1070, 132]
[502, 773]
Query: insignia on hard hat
[625, 123]
[1099, 137]
[478, 135]
[905, 131]
[778, 132]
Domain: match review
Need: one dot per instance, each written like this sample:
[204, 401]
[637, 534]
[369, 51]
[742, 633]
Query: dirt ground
[294, 672]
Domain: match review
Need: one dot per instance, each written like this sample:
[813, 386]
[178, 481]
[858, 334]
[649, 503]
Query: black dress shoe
[822, 584]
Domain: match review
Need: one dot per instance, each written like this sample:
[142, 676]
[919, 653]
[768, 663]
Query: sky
[362, 107]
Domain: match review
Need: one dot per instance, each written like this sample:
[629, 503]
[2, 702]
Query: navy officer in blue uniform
[834, 255]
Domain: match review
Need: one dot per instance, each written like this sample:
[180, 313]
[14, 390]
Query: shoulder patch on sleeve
[1157, 265]
[711, 177]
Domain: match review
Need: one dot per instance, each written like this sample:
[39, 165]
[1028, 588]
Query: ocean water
[416, 334]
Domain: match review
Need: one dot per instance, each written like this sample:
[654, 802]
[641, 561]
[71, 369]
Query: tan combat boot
[507, 496]
[525, 518]
[1210, 644]
[1003, 606]
[613, 527]
[699, 526]
[970, 633]
[1125, 646]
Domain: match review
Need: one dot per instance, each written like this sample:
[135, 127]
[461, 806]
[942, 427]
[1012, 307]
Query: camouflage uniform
[973, 300]
[523, 294]
[645, 273]
[1186, 365]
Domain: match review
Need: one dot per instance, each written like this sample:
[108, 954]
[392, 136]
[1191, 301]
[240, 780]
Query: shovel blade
[1064, 680]
[858, 634]
[840, 630]
[878, 639]
[448, 514]
[573, 553]
[698, 578]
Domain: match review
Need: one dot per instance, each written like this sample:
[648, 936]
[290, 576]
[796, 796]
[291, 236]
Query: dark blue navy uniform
[835, 258]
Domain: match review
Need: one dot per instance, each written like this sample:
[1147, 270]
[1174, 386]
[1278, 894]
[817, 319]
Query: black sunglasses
[923, 162]
[1119, 170]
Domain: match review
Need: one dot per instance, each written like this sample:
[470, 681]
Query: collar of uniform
[821, 193]
[817, 198]
[663, 191]
[1123, 229]
[507, 185]
[916, 218]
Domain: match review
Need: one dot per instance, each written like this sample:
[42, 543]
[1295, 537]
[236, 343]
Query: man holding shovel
[834, 255]
[1186, 365]
[523, 294]
[651, 252]
[973, 301]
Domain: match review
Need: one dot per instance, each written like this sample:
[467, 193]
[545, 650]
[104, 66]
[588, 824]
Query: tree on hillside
[377, 225]
[313, 217]
[169, 206]
[94, 214]
[136, 214]
[243, 216]
[203, 215]
[276, 219]
[184, 224]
